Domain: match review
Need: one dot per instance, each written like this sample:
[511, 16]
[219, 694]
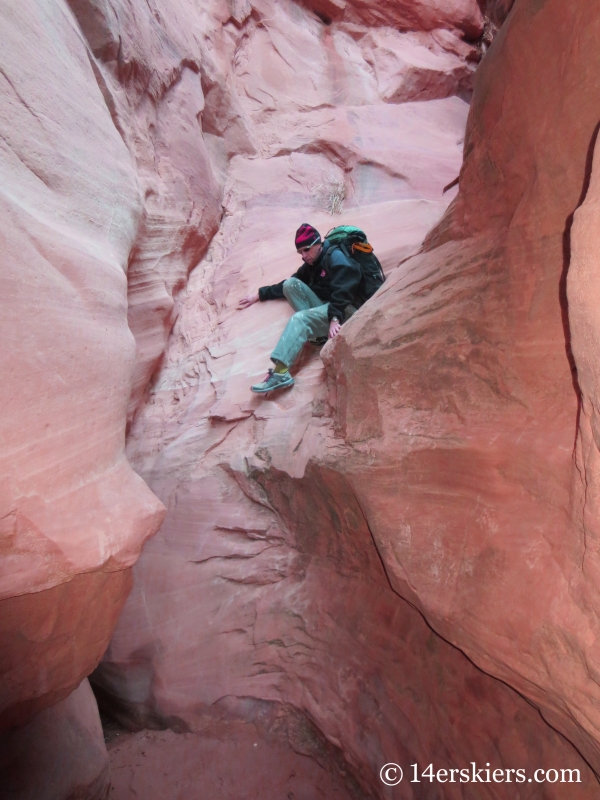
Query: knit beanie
[306, 236]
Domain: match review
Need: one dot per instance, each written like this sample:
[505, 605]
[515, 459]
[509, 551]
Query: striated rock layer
[119, 124]
[73, 514]
[431, 463]
[466, 469]
[329, 552]
[113, 167]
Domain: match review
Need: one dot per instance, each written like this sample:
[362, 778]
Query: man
[321, 293]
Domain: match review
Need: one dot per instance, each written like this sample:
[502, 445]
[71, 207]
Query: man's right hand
[249, 300]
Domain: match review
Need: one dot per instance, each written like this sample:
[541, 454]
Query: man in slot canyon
[323, 295]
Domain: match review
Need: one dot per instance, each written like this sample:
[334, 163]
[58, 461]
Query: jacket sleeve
[275, 292]
[345, 280]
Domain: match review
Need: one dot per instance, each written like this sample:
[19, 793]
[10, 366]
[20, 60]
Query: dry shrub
[331, 193]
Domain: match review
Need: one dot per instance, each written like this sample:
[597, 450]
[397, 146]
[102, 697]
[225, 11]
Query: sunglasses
[302, 250]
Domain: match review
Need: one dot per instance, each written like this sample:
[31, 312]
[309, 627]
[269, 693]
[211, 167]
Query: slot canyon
[211, 594]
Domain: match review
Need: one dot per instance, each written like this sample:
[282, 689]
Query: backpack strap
[331, 248]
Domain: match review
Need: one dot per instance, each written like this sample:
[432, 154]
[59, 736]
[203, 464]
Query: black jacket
[333, 277]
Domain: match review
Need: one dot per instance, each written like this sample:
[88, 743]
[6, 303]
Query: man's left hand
[334, 327]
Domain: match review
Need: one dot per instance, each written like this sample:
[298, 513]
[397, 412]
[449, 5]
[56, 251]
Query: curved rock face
[431, 464]
[149, 63]
[113, 170]
[70, 503]
[60, 753]
[323, 549]
[481, 515]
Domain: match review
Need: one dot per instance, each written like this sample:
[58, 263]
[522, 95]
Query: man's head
[308, 243]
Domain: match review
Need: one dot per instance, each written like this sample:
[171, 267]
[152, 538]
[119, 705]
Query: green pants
[308, 323]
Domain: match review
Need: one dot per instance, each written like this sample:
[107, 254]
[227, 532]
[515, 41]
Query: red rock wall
[60, 753]
[150, 66]
[298, 526]
[404, 14]
[472, 491]
[73, 514]
[169, 153]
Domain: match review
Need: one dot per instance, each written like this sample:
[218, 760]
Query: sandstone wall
[329, 552]
[435, 465]
[119, 123]
[60, 753]
[481, 513]
[73, 513]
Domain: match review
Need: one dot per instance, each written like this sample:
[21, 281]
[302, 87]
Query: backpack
[353, 243]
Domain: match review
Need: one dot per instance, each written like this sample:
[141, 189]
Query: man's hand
[334, 327]
[249, 300]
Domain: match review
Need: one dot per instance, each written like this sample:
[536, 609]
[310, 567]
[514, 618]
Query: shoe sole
[273, 388]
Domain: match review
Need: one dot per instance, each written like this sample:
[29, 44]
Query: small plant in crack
[331, 193]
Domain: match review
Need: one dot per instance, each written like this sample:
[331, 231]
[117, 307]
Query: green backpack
[353, 243]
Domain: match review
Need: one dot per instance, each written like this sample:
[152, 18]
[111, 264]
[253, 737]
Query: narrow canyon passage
[393, 562]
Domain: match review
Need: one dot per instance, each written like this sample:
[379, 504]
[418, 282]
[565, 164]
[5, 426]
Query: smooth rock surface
[113, 170]
[467, 471]
[73, 514]
[430, 462]
[274, 578]
[59, 755]
[50, 640]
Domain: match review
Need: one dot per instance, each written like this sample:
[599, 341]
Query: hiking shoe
[273, 380]
[320, 341]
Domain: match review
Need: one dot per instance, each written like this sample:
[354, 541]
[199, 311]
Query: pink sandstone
[405, 14]
[466, 471]
[278, 576]
[73, 513]
[59, 753]
[111, 184]
[168, 154]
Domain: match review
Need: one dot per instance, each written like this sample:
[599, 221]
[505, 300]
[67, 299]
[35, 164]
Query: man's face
[310, 254]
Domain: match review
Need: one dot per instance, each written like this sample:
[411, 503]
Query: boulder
[58, 755]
